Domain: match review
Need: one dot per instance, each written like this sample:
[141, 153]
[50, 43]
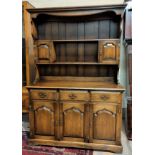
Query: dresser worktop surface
[77, 85]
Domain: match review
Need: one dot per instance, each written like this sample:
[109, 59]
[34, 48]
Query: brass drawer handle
[103, 97]
[42, 95]
[72, 96]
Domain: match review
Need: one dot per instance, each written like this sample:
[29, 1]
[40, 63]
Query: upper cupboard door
[45, 52]
[44, 118]
[109, 51]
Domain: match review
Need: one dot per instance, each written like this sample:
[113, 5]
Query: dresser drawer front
[44, 94]
[74, 95]
[105, 96]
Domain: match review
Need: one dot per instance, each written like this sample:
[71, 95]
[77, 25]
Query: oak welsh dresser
[75, 99]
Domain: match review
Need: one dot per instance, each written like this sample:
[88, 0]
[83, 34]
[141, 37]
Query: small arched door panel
[109, 51]
[45, 51]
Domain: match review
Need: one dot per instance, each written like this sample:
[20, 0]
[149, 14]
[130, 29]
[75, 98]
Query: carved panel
[45, 52]
[104, 125]
[103, 118]
[73, 121]
[109, 51]
[44, 118]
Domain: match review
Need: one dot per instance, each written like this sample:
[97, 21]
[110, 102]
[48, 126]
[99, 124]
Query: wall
[62, 3]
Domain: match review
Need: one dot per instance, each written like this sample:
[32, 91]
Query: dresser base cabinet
[87, 118]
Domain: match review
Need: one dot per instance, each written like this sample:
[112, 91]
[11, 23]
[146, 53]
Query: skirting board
[100, 147]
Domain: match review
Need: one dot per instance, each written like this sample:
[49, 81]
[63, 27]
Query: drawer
[105, 96]
[44, 94]
[74, 95]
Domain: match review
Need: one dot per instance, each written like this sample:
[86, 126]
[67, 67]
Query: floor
[127, 145]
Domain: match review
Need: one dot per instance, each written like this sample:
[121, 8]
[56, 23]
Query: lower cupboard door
[103, 122]
[44, 118]
[72, 118]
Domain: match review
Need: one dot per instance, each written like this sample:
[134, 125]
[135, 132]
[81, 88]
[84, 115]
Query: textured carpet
[45, 150]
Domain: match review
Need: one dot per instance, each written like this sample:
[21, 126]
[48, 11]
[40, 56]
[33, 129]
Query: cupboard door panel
[103, 118]
[70, 126]
[44, 117]
[104, 125]
[109, 51]
[45, 51]
[73, 118]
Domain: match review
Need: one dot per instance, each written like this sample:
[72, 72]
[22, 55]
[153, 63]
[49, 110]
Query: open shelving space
[83, 46]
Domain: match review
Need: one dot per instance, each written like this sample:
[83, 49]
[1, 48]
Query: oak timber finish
[103, 121]
[29, 27]
[25, 100]
[45, 51]
[105, 96]
[75, 100]
[94, 85]
[44, 94]
[74, 95]
[109, 51]
[79, 118]
[44, 112]
[26, 41]
[73, 120]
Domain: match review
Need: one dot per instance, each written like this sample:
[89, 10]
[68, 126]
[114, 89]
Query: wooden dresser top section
[77, 85]
[71, 8]
[77, 11]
